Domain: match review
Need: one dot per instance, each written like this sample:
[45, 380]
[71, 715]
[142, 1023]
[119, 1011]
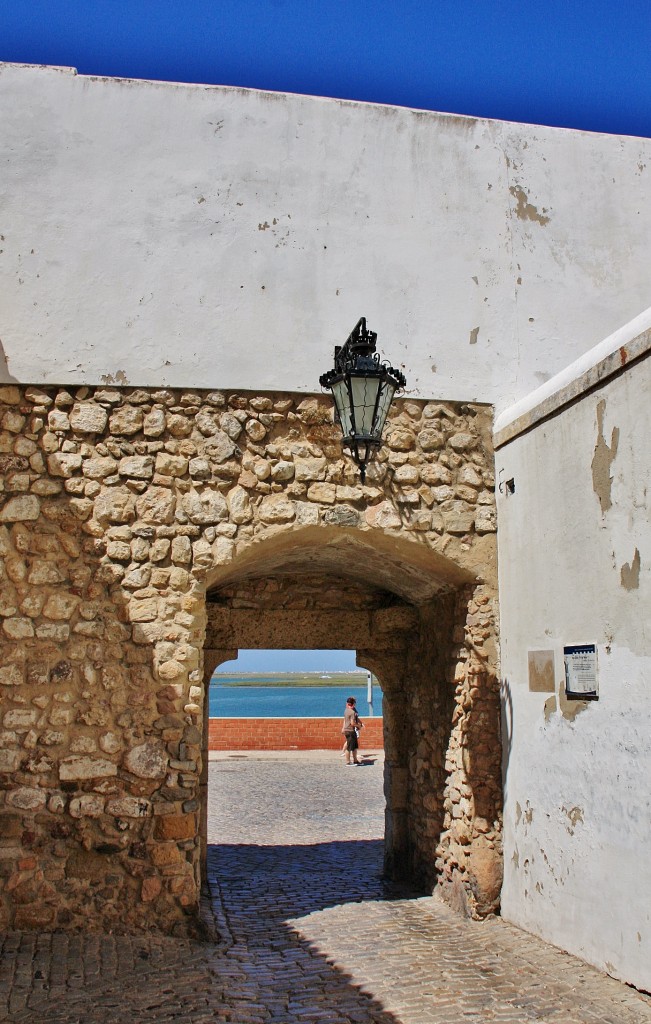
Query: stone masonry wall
[119, 507]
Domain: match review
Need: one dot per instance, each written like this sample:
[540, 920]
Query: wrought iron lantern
[363, 389]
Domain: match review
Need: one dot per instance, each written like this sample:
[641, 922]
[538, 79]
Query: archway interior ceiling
[406, 569]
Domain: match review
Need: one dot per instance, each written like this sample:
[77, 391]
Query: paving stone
[308, 931]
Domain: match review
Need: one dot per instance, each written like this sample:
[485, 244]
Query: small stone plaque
[541, 672]
[581, 672]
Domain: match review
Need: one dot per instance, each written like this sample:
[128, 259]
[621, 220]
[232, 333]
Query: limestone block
[57, 632]
[138, 467]
[458, 517]
[347, 493]
[466, 493]
[60, 606]
[219, 447]
[401, 440]
[171, 465]
[118, 551]
[139, 549]
[129, 807]
[307, 514]
[470, 476]
[126, 421]
[462, 442]
[9, 760]
[57, 420]
[110, 743]
[44, 573]
[223, 550]
[8, 600]
[89, 805]
[147, 760]
[63, 464]
[10, 395]
[178, 426]
[99, 467]
[406, 474]
[156, 505]
[431, 440]
[12, 675]
[205, 507]
[154, 423]
[137, 578]
[18, 628]
[231, 425]
[88, 418]
[207, 421]
[19, 719]
[255, 430]
[326, 493]
[181, 550]
[26, 798]
[341, 515]
[115, 505]
[86, 768]
[17, 483]
[382, 516]
[486, 520]
[21, 509]
[442, 493]
[306, 470]
[143, 610]
[199, 469]
[262, 469]
[282, 471]
[201, 554]
[276, 508]
[159, 550]
[239, 505]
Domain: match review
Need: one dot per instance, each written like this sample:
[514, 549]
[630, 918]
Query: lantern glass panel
[384, 404]
[342, 402]
[364, 391]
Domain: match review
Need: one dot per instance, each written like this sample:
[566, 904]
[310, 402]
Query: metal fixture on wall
[363, 389]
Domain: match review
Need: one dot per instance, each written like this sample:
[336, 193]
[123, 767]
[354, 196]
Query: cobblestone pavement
[309, 934]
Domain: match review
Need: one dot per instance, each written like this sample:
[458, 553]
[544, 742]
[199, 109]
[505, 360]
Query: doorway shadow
[290, 881]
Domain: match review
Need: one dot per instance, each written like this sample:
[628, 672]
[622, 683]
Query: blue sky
[573, 63]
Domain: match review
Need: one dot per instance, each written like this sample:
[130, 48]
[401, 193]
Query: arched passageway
[417, 621]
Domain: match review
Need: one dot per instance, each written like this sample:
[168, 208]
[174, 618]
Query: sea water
[228, 701]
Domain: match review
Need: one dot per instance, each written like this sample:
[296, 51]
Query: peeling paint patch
[526, 210]
[602, 460]
[630, 573]
[473, 335]
[550, 707]
[118, 378]
[571, 708]
[575, 815]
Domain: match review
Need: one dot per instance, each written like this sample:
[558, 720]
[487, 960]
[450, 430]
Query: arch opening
[424, 628]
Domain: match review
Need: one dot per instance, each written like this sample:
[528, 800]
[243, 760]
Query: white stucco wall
[170, 234]
[575, 567]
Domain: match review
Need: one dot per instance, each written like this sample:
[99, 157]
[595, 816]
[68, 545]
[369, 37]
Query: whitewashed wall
[184, 235]
[575, 567]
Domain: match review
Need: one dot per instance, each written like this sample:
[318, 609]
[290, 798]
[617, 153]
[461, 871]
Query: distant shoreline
[285, 679]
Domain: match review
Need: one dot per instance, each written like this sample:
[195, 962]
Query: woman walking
[352, 723]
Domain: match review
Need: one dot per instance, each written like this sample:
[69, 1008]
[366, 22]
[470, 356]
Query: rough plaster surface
[160, 234]
[575, 557]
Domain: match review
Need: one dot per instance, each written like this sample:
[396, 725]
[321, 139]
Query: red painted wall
[288, 734]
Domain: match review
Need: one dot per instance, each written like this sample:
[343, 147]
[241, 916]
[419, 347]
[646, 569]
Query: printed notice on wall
[581, 672]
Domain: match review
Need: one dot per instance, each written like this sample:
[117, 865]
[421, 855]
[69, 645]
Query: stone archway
[404, 611]
[122, 508]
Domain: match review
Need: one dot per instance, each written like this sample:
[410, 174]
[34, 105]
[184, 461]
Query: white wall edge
[610, 356]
